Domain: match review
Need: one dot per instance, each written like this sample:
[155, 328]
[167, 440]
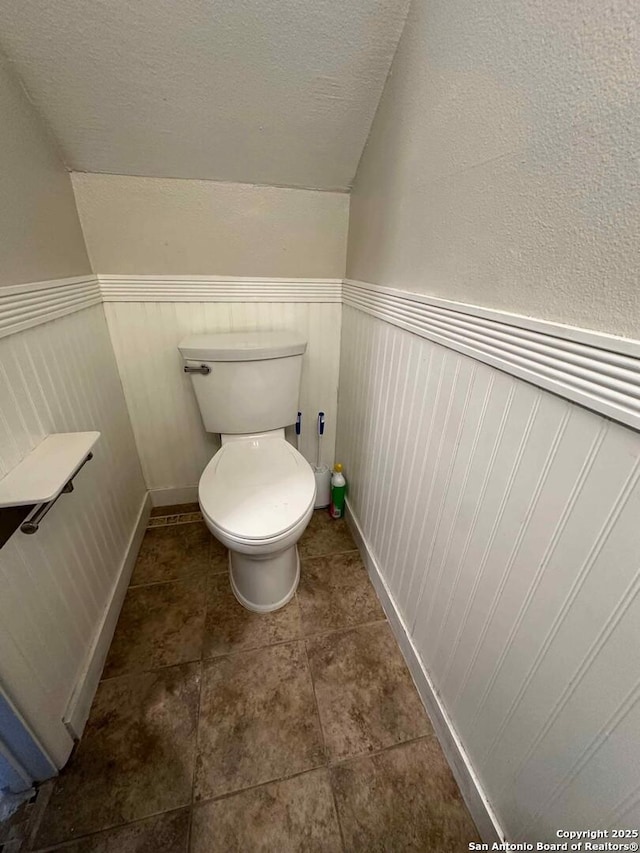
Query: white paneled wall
[57, 585]
[173, 445]
[504, 521]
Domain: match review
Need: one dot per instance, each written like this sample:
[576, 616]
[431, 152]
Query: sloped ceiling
[280, 92]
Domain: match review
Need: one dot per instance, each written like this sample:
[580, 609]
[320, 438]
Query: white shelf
[43, 474]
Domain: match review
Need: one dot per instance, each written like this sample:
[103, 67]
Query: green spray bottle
[338, 490]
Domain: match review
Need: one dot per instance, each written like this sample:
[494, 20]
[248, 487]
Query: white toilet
[257, 493]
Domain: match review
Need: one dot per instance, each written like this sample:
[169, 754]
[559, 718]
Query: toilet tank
[253, 381]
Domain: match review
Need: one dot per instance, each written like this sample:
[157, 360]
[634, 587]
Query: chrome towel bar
[31, 524]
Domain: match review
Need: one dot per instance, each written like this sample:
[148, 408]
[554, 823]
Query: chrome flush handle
[203, 368]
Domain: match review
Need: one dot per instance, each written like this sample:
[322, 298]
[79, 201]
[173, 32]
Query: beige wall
[164, 226]
[500, 168]
[40, 236]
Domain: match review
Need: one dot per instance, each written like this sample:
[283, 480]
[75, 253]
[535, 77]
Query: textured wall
[156, 226]
[501, 167]
[40, 236]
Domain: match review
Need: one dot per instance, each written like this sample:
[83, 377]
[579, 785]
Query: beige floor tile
[136, 757]
[335, 592]
[172, 552]
[325, 535]
[258, 720]
[294, 816]
[165, 833]
[160, 625]
[366, 698]
[129, 784]
[231, 627]
[403, 799]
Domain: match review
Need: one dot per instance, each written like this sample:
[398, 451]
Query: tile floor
[215, 729]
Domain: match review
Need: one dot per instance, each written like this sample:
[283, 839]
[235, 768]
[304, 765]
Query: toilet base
[264, 584]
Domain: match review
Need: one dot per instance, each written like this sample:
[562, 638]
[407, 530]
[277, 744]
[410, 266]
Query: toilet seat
[256, 490]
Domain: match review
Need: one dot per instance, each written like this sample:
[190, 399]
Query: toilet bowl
[257, 493]
[257, 496]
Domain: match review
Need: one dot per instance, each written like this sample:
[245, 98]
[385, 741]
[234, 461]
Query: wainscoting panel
[173, 445]
[503, 520]
[57, 584]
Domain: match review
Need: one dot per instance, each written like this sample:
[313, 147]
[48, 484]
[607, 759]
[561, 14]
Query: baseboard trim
[174, 495]
[469, 784]
[77, 711]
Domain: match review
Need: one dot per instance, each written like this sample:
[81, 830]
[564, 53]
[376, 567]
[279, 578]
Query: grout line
[202, 666]
[391, 746]
[324, 744]
[201, 661]
[152, 669]
[162, 523]
[64, 845]
[207, 603]
[343, 629]
[195, 747]
[44, 792]
[164, 582]
[328, 554]
[301, 639]
[228, 794]
[194, 573]
[189, 827]
[328, 767]
[233, 652]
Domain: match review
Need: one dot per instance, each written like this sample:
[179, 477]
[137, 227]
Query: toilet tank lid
[242, 346]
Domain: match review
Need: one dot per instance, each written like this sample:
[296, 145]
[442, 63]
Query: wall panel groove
[462, 422]
[513, 513]
[627, 600]
[516, 544]
[628, 703]
[462, 492]
[59, 377]
[492, 533]
[556, 534]
[576, 586]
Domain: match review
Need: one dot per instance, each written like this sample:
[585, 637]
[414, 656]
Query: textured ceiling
[280, 92]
